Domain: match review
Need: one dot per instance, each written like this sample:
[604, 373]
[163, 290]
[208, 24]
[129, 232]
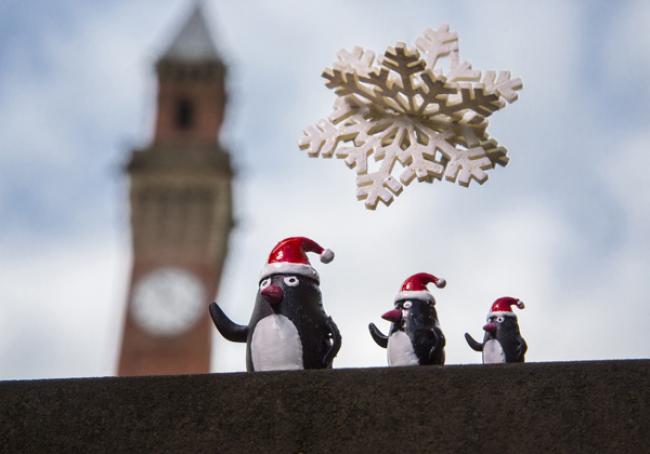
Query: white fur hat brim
[289, 268]
[414, 295]
[503, 313]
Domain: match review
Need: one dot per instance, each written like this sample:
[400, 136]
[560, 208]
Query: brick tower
[180, 196]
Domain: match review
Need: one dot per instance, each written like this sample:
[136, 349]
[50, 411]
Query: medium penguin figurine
[289, 328]
[415, 337]
[502, 342]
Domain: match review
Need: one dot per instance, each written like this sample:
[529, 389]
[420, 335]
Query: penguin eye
[500, 319]
[407, 305]
[265, 283]
[291, 281]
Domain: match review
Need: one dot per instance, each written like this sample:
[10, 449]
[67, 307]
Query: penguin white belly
[493, 352]
[275, 344]
[400, 350]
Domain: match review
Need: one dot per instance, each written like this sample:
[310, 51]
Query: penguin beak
[273, 294]
[394, 315]
[490, 328]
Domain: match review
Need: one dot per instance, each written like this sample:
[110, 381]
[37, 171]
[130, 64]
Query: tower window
[184, 113]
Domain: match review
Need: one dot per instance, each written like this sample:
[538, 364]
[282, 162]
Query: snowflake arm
[379, 185]
[466, 165]
[436, 44]
[503, 85]
[358, 60]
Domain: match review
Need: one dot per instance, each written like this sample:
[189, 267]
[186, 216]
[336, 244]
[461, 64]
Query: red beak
[273, 294]
[393, 315]
[490, 328]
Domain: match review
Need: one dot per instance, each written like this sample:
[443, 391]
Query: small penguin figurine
[502, 342]
[415, 337]
[289, 328]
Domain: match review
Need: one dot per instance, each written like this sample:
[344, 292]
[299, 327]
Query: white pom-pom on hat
[327, 256]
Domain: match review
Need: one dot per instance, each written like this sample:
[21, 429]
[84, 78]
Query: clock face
[167, 301]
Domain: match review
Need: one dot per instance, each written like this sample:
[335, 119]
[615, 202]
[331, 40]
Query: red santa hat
[289, 256]
[503, 306]
[415, 287]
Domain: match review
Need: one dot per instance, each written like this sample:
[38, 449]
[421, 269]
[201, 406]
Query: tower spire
[193, 42]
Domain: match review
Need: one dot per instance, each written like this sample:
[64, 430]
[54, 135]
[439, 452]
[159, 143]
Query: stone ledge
[600, 406]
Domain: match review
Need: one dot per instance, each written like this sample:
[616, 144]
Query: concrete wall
[590, 407]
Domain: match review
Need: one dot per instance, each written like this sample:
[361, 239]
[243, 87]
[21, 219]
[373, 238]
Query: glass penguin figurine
[415, 337]
[289, 328]
[502, 342]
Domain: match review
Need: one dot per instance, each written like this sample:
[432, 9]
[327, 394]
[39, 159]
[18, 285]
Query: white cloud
[62, 306]
[626, 49]
[626, 172]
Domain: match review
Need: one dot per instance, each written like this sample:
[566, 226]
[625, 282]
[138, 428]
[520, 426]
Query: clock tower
[180, 198]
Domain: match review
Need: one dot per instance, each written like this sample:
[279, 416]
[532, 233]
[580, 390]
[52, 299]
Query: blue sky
[563, 226]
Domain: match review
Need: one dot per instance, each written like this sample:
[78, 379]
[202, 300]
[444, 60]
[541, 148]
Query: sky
[563, 226]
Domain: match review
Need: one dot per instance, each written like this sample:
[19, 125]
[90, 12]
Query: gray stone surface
[591, 407]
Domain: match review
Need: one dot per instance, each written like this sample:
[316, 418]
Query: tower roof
[193, 41]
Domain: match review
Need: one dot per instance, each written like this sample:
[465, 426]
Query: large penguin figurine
[415, 337]
[289, 328]
[502, 342]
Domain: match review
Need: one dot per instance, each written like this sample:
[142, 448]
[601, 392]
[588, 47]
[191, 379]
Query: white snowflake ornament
[403, 108]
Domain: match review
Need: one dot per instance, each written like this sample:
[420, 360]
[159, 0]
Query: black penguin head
[411, 314]
[499, 326]
[284, 292]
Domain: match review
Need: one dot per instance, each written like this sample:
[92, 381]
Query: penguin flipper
[228, 329]
[522, 348]
[336, 342]
[380, 338]
[476, 346]
[437, 354]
